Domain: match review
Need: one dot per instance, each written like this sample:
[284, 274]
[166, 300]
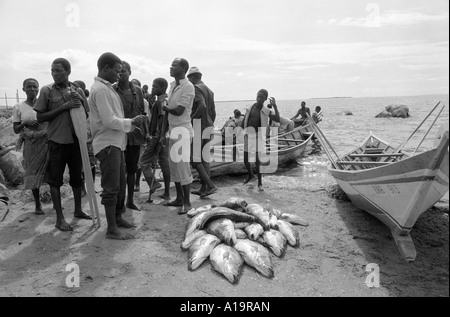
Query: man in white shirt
[109, 128]
[181, 98]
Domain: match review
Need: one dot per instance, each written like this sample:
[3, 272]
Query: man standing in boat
[255, 124]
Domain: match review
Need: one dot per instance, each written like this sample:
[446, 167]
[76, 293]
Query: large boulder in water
[394, 111]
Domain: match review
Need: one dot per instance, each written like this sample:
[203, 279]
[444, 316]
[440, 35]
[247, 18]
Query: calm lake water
[345, 132]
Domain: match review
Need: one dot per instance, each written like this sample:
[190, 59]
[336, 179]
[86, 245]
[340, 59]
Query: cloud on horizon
[389, 18]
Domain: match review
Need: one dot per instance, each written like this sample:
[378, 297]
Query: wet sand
[334, 252]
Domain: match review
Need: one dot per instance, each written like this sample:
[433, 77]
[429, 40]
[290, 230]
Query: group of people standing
[129, 131]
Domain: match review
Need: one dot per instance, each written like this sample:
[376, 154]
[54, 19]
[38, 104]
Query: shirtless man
[257, 116]
[303, 111]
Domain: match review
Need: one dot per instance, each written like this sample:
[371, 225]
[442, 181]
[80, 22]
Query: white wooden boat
[394, 186]
[228, 159]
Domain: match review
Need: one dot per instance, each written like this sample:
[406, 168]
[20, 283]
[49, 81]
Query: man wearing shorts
[53, 106]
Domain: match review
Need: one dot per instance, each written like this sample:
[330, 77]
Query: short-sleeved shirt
[181, 95]
[107, 122]
[23, 112]
[133, 105]
[60, 129]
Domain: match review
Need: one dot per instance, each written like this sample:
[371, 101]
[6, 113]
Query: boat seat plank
[362, 163]
[373, 150]
[376, 155]
[290, 140]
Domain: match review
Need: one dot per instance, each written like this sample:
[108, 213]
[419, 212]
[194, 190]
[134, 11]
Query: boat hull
[398, 193]
[224, 163]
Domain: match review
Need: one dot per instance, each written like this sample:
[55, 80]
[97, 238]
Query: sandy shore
[334, 251]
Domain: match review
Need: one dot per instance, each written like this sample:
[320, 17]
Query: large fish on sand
[223, 228]
[194, 212]
[294, 219]
[222, 212]
[277, 212]
[201, 249]
[254, 231]
[235, 203]
[256, 256]
[240, 234]
[272, 221]
[262, 216]
[275, 241]
[241, 225]
[228, 261]
[187, 242]
[289, 232]
[194, 223]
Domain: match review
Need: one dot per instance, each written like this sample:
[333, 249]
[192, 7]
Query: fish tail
[266, 271]
[233, 240]
[184, 246]
[194, 263]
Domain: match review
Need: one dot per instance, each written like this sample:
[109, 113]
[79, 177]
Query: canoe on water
[228, 159]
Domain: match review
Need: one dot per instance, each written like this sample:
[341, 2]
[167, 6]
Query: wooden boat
[228, 159]
[394, 186]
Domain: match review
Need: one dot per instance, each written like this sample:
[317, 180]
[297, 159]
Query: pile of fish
[235, 233]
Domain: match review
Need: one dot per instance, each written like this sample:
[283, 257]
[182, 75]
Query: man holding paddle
[53, 106]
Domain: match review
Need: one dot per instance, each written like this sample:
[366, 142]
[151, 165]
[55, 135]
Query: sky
[295, 49]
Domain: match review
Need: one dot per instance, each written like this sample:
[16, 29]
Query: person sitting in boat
[232, 122]
[303, 112]
[317, 115]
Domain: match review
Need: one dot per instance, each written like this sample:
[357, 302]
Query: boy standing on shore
[257, 116]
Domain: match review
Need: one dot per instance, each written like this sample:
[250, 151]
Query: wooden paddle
[324, 141]
[431, 126]
[78, 116]
[414, 132]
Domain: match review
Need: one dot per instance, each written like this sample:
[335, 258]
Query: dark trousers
[113, 178]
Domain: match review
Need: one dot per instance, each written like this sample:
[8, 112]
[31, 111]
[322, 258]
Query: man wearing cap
[181, 98]
[207, 130]
[257, 116]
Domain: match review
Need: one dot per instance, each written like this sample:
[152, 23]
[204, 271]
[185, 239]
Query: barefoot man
[109, 132]
[53, 106]
[257, 116]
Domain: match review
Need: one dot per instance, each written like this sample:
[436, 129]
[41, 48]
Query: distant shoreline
[332, 98]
